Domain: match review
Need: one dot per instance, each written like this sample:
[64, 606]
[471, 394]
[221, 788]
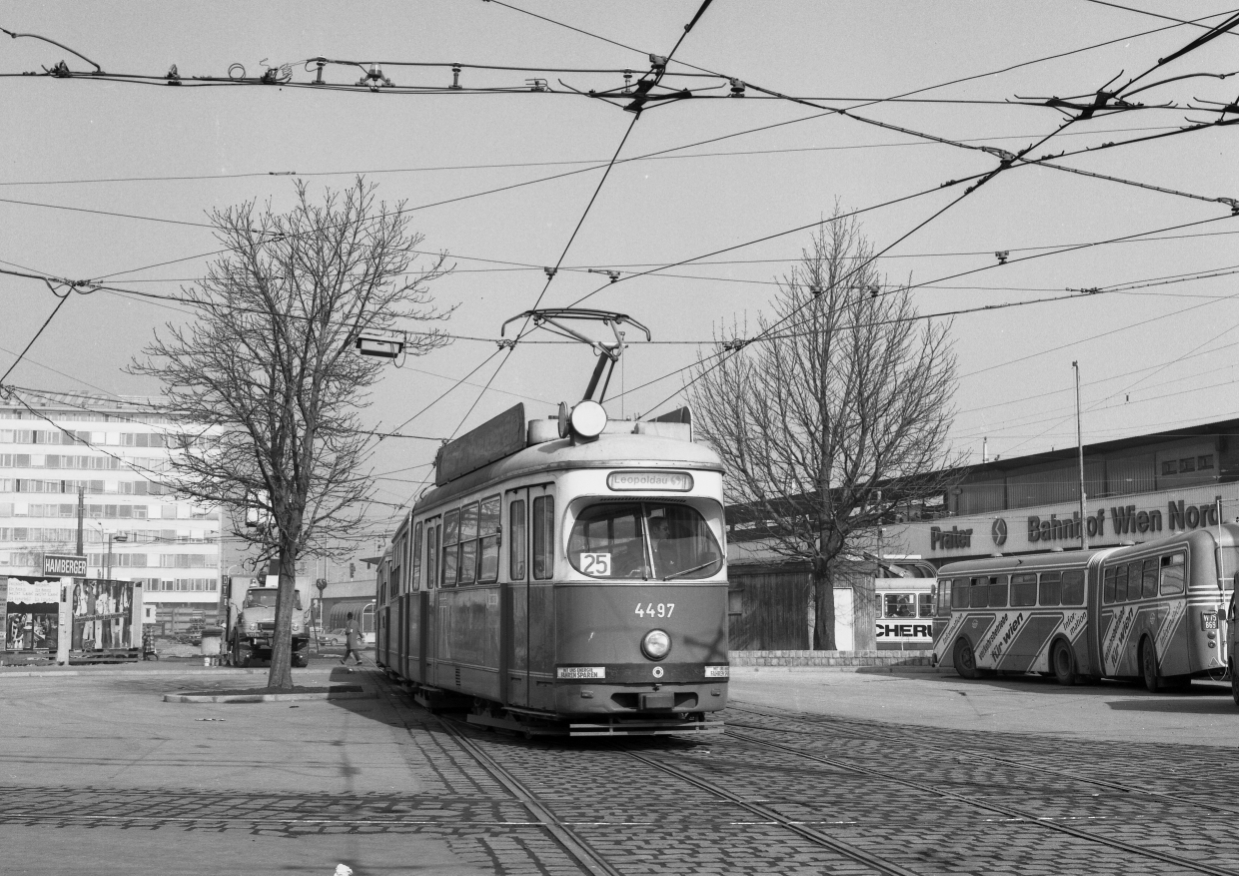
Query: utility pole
[1080, 445]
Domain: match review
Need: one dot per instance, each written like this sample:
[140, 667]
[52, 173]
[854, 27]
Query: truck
[251, 620]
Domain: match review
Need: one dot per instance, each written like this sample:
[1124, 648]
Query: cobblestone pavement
[97, 775]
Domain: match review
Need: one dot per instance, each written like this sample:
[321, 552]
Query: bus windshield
[266, 596]
[643, 540]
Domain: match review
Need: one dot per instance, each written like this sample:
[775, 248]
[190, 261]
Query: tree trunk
[281, 675]
[824, 608]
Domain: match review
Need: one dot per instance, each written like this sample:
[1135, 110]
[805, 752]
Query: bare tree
[836, 416]
[267, 381]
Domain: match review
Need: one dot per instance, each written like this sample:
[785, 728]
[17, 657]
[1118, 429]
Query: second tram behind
[565, 577]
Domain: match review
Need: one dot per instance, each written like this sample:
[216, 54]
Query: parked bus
[904, 614]
[1156, 612]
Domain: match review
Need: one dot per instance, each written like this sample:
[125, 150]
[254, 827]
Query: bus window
[1050, 591]
[1107, 586]
[898, 605]
[1150, 578]
[944, 597]
[1024, 589]
[980, 592]
[1073, 587]
[1133, 581]
[1120, 584]
[998, 592]
[959, 593]
[925, 605]
[1172, 574]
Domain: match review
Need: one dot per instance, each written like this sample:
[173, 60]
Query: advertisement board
[103, 615]
[31, 608]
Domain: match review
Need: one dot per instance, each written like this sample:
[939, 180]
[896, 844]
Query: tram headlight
[656, 644]
[588, 419]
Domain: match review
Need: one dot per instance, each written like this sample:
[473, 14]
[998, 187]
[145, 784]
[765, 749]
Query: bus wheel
[1064, 664]
[965, 660]
[1148, 666]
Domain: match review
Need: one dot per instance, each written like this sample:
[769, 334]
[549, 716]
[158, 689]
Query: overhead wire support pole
[1080, 446]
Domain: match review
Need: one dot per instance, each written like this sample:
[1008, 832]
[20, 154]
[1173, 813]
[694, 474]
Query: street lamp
[113, 536]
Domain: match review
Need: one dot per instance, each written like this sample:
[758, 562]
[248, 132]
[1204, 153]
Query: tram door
[528, 629]
[514, 629]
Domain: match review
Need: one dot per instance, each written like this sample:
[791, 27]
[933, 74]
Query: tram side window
[1107, 585]
[1073, 587]
[925, 605]
[1150, 578]
[1133, 581]
[543, 537]
[415, 576]
[1051, 588]
[433, 532]
[451, 538]
[516, 540]
[488, 539]
[468, 564]
[960, 593]
[1173, 568]
[998, 591]
[980, 592]
[1120, 583]
[1024, 589]
[397, 567]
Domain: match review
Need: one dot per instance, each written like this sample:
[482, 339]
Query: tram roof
[609, 450]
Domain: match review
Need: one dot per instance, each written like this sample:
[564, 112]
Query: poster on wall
[31, 608]
[102, 614]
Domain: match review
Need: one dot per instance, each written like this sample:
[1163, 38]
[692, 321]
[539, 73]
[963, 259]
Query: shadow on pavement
[1188, 703]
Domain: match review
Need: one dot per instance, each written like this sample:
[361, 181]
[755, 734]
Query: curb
[268, 698]
[749, 671]
[113, 672]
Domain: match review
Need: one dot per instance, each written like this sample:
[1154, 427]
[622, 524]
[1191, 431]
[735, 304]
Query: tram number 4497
[650, 609]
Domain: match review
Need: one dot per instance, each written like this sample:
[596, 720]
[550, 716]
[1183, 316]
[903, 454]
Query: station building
[1136, 489]
[113, 450]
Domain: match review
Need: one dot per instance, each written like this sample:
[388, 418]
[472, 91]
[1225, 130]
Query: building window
[1204, 462]
[1188, 464]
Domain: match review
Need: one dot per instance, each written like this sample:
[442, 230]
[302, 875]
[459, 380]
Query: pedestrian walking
[352, 640]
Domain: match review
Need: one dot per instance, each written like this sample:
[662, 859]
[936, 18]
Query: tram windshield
[643, 540]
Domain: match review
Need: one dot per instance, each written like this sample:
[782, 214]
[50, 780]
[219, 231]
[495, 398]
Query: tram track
[596, 863]
[973, 754]
[594, 822]
[1055, 824]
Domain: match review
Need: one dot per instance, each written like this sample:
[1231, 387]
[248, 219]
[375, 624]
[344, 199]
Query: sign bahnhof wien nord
[1109, 522]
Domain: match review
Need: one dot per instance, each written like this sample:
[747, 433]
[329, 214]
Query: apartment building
[114, 452]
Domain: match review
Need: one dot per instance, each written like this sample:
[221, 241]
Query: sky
[112, 177]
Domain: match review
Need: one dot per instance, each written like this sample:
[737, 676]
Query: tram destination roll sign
[64, 566]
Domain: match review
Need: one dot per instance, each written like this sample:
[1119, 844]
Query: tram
[564, 576]
[1156, 612]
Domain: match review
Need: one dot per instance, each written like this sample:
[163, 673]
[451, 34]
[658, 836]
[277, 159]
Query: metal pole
[1080, 445]
[108, 576]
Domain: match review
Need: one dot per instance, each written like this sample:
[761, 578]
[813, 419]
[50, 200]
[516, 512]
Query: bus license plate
[1208, 621]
